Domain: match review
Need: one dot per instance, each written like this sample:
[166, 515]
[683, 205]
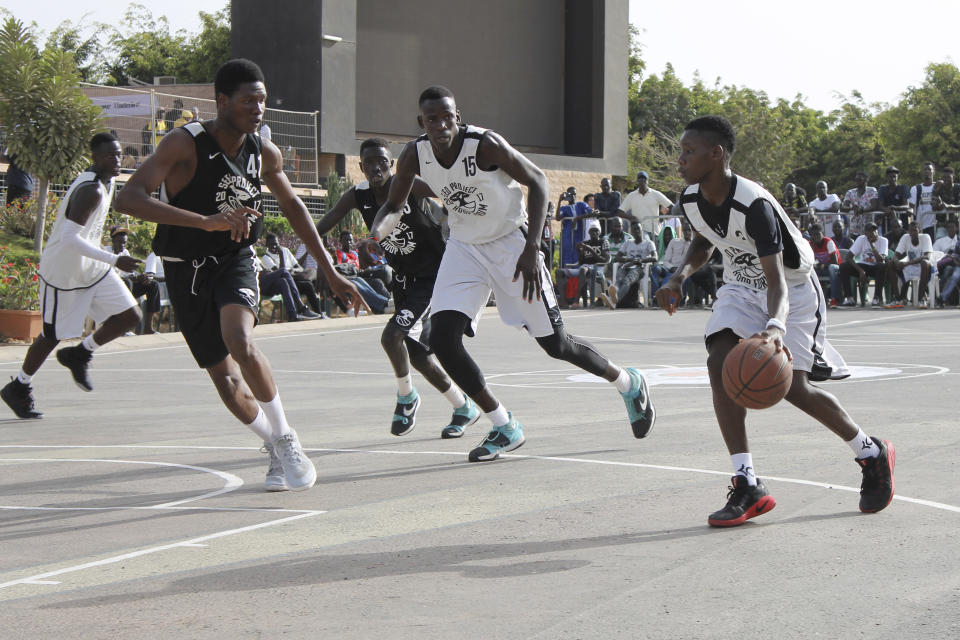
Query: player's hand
[127, 263]
[668, 296]
[236, 221]
[349, 295]
[776, 336]
[529, 266]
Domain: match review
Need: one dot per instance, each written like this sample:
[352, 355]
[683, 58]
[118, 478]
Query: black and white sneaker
[77, 359]
[405, 413]
[19, 397]
[743, 502]
[876, 490]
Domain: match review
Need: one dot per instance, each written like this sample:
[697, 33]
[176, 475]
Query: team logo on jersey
[463, 199]
[234, 192]
[746, 268]
[249, 296]
[405, 318]
[400, 241]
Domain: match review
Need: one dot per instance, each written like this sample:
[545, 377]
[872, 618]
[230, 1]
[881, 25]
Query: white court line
[40, 578]
[232, 482]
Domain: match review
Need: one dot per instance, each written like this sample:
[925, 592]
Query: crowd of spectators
[899, 238]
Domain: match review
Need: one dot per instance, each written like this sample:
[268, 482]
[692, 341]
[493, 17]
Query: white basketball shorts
[469, 272]
[64, 310]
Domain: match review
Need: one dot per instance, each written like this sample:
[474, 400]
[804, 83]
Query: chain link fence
[141, 117]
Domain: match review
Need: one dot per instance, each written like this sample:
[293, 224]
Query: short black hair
[233, 73]
[870, 226]
[947, 170]
[717, 128]
[435, 92]
[270, 236]
[587, 197]
[374, 143]
[101, 138]
[815, 227]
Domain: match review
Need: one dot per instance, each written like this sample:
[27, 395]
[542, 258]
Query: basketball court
[138, 510]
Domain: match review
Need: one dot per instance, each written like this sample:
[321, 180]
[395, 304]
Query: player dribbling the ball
[771, 292]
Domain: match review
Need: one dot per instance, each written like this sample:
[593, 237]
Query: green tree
[209, 49]
[144, 47]
[50, 119]
[84, 41]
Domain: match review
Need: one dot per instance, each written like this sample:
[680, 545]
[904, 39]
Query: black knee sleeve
[563, 346]
[446, 341]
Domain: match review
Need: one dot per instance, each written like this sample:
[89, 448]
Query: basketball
[756, 375]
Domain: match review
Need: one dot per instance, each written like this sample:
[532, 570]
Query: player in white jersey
[769, 292]
[76, 280]
[478, 175]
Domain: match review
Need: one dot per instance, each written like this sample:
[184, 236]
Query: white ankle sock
[261, 427]
[863, 446]
[89, 343]
[278, 420]
[455, 396]
[743, 466]
[404, 385]
[499, 416]
[623, 382]
[23, 378]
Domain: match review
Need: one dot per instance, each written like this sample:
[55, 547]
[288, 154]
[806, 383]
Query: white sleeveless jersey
[483, 205]
[64, 268]
[740, 262]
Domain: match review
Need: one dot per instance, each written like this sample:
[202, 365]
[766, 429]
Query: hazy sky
[817, 47]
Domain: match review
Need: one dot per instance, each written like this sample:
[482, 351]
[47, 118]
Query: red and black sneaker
[876, 490]
[743, 502]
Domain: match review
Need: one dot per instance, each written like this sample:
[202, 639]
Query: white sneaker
[275, 479]
[298, 471]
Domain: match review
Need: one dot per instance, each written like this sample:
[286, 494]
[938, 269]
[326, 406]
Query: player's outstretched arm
[778, 304]
[296, 212]
[494, 151]
[343, 206]
[175, 151]
[408, 165]
[668, 296]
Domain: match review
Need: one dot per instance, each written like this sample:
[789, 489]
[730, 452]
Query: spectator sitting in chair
[594, 254]
[895, 231]
[914, 259]
[868, 260]
[625, 291]
[857, 202]
[144, 284]
[615, 239]
[279, 282]
[826, 205]
[827, 260]
[348, 265]
[659, 271]
[948, 266]
[280, 258]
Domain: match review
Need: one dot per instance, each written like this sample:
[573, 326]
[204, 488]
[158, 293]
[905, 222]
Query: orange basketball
[756, 375]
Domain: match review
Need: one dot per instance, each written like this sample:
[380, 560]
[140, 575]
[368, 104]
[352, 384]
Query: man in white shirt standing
[644, 204]
[825, 206]
[914, 260]
[921, 196]
[77, 280]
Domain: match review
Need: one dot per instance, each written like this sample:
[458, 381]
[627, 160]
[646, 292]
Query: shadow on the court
[332, 568]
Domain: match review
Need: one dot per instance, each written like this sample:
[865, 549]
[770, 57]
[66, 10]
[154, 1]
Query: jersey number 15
[470, 165]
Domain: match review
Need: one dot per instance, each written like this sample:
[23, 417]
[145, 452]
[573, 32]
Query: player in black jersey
[209, 174]
[414, 249]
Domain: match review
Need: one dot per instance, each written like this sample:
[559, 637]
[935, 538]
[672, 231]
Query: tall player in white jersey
[771, 292]
[478, 175]
[77, 280]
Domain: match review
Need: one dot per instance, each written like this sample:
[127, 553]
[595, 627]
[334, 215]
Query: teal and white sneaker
[639, 405]
[500, 440]
[405, 413]
[276, 480]
[462, 418]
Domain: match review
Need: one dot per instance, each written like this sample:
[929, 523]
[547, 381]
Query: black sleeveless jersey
[219, 184]
[415, 246]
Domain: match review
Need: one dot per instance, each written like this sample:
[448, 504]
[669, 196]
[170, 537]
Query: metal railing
[141, 117]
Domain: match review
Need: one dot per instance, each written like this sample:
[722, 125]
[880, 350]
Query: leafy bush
[20, 217]
[19, 282]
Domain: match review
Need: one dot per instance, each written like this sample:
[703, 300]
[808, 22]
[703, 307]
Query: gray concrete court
[137, 511]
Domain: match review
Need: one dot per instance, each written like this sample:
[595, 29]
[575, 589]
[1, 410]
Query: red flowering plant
[19, 282]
